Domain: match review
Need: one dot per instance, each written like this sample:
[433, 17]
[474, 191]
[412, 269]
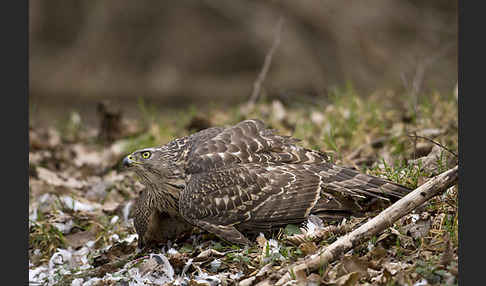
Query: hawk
[247, 178]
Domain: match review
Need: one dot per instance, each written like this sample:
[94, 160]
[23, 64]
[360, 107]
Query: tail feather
[354, 183]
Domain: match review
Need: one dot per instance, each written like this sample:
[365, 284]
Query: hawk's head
[155, 166]
[144, 158]
[149, 160]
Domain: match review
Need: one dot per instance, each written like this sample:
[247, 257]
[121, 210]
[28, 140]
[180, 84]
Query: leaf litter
[81, 233]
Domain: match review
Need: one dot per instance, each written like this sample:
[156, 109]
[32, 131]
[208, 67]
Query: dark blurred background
[183, 53]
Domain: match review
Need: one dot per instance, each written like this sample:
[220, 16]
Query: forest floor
[81, 233]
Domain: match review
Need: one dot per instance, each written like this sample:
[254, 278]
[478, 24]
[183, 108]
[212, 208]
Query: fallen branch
[385, 219]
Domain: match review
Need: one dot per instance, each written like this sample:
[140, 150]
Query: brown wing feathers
[248, 142]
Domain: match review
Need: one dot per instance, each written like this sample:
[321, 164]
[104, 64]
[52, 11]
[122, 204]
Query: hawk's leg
[228, 233]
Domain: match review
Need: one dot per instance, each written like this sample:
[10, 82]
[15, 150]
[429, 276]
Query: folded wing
[261, 196]
[248, 142]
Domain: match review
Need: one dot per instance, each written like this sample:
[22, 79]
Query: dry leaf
[205, 254]
[350, 264]
[393, 267]
[49, 177]
[261, 240]
[376, 253]
[349, 279]
[300, 275]
[278, 110]
[308, 247]
[159, 267]
[317, 117]
[420, 229]
[430, 163]
[447, 256]
[76, 240]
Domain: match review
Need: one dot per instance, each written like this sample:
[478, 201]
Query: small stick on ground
[257, 86]
[385, 219]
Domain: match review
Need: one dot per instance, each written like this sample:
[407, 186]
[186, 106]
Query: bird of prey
[246, 178]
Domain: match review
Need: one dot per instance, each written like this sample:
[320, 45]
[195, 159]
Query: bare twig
[435, 142]
[385, 219]
[416, 85]
[257, 85]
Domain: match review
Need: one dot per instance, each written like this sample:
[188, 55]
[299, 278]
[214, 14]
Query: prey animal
[246, 178]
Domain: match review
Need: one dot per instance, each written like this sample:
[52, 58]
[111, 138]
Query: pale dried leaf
[313, 280]
[308, 247]
[261, 240]
[49, 177]
[351, 263]
[393, 267]
[78, 205]
[300, 275]
[278, 110]
[205, 254]
[317, 117]
[346, 280]
[420, 229]
[157, 269]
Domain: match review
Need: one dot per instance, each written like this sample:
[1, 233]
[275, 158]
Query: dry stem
[266, 65]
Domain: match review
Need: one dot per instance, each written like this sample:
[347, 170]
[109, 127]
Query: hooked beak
[128, 161]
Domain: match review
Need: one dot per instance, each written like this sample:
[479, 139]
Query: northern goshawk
[247, 178]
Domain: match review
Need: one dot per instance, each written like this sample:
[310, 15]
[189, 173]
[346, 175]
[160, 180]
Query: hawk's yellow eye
[146, 154]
